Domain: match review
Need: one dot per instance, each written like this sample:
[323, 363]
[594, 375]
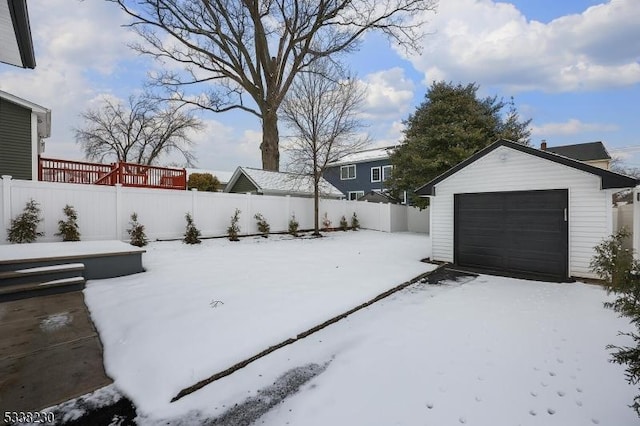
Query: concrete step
[34, 289]
[41, 274]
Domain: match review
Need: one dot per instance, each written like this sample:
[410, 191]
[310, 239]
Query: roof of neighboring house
[378, 197]
[44, 114]
[364, 156]
[282, 183]
[223, 177]
[582, 151]
[16, 45]
[608, 179]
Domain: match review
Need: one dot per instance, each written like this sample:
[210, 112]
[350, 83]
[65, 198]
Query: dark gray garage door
[524, 232]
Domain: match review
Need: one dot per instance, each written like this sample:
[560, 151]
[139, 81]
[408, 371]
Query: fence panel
[104, 211]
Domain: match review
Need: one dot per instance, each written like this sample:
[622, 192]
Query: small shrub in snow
[355, 223]
[234, 229]
[136, 232]
[621, 272]
[263, 226]
[326, 222]
[192, 234]
[343, 223]
[293, 226]
[68, 229]
[24, 228]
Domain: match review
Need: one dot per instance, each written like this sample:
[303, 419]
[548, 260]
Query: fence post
[119, 208]
[6, 203]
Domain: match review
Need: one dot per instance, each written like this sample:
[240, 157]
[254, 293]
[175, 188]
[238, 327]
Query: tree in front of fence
[620, 271]
[263, 226]
[355, 223]
[293, 226]
[322, 111]
[344, 225]
[68, 229]
[24, 228]
[192, 233]
[136, 232]
[234, 229]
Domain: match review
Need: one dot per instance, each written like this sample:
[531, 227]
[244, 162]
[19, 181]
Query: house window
[348, 172]
[404, 197]
[354, 195]
[375, 174]
[386, 172]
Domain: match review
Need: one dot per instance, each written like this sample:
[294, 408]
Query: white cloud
[389, 93]
[493, 43]
[571, 127]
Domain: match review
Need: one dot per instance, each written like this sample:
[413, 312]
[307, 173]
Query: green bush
[621, 273]
[263, 226]
[234, 229]
[68, 229]
[293, 226]
[343, 223]
[203, 182]
[24, 228]
[355, 223]
[192, 234]
[136, 232]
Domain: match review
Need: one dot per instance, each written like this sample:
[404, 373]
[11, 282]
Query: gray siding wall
[15, 140]
[243, 185]
[362, 182]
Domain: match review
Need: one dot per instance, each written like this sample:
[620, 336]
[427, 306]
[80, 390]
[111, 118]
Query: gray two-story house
[362, 172]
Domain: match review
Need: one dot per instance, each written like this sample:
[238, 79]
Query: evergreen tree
[234, 229]
[68, 229]
[192, 234]
[343, 223]
[136, 232]
[450, 125]
[293, 226]
[263, 226]
[24, 228]
[355, 223]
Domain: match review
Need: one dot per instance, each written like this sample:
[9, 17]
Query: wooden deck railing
[126, 174]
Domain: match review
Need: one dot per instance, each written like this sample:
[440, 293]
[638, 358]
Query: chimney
[543, 145]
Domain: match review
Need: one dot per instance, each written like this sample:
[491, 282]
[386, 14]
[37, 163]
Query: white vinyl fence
[104, 211]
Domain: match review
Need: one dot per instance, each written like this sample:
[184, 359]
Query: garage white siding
[505, 169]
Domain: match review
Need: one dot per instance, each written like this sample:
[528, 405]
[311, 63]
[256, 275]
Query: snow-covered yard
[490, 351]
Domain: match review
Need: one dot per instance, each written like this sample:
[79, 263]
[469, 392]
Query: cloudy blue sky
[573, 66]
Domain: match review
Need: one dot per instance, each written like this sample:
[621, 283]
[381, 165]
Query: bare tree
[142, 131]
[256, 47]
[321, 109]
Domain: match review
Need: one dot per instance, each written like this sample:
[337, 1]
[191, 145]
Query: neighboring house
[223, 177]
[515, 209]
[16, 45]
[593, 153]
[361, 172]
[23, 126]
[257, 181]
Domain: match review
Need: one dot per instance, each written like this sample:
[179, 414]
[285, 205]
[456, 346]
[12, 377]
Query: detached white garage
[518, 210]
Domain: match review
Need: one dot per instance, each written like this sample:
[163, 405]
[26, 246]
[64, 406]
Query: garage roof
[582, 151]
[608, 179]
[16, 45]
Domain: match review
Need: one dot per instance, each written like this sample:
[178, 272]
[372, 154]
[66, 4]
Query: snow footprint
[551, 411]
[560, 393]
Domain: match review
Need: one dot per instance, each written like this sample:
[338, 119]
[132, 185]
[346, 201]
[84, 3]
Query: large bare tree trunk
[270, 140]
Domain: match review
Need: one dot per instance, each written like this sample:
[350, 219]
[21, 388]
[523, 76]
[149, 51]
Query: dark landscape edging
[189, 390]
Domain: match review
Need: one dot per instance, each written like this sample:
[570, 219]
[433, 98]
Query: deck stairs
[39, 278]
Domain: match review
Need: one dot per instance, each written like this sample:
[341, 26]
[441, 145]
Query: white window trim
[388, 174]
[346, 167]
[358, 195]
[379, 174]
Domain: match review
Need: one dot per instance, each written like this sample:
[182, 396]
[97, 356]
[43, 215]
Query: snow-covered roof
[280, 183]
[223, 177]
[365, 155]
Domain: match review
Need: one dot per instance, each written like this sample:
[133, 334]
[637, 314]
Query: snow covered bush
[68, 229]
[326, 222]
[234, 229]
[343, 223]
[293, 226]
[263, 226]
[621, 273]
[192, 234]
[24, 228]
[136, 232]
[355, 223]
